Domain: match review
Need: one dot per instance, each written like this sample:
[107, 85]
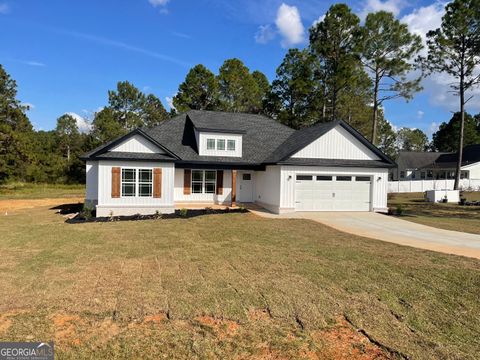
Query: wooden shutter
[115, 182]
[219, 182]
[157, 183]
[187, 179]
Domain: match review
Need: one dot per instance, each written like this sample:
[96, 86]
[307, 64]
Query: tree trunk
[68, 152]
[460, 142]
[375, 110]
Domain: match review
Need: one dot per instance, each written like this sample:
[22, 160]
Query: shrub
[183, 212]
[399, 210]
[87, 212]
[158, 215]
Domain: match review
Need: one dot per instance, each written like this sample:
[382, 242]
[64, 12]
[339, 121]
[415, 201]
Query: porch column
[234, 187]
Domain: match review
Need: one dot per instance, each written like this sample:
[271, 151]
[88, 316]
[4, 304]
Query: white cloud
[433, 128]
[420, 114]
[83, 124]
[169, 101]
[289, 25]
[181, 35]
[264, 34]
[393, 6]
[4, 8]
[158, 2]
[424, 19]
[319, 20]
[34, 63]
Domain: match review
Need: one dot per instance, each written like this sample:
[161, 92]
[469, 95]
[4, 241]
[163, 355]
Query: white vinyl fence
[424, 185]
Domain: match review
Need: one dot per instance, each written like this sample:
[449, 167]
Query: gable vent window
[231, 145]
[210, 144]
[220, 144]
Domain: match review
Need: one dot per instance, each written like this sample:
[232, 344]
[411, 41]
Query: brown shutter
[219, 182]
[157, 183]
[115, 182]
[234, 187]
[187, 179]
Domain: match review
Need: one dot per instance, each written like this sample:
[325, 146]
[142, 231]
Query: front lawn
[445, 216]
[230, 286]
[40, 191]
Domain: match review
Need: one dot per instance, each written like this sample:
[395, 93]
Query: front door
[245, 186]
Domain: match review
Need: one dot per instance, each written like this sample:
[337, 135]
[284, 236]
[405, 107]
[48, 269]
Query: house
[204, 157]
[417, 165]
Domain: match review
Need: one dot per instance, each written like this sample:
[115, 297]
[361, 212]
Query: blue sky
[66, 55]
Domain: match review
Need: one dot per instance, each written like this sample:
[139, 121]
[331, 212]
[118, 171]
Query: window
[402, 174]
[422, 175]
[362, 178]
[413, 175]
[210, 144]
[204, 181]
[231, 145]
[304, 177]
[324, 178]
[247, 177]
[197, 181]
[128, 182]
[344, 178]
[145, 182]
[137, 182]
[220, 144]
[430, 174]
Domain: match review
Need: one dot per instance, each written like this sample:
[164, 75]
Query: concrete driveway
[391, 229]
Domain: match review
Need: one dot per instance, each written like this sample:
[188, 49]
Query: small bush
[87, 212]
[399, 210]
[158, 215]
[183, 212]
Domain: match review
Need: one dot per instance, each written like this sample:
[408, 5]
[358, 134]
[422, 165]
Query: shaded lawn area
[230, 286]
[444, 216]
[40, 191]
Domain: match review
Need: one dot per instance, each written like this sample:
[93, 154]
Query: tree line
[348, 70]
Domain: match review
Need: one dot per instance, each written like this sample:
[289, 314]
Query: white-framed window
[402, 174]
[145, 182]
[210, 144]
[137, 182]
[231, 145]
[220, 144]
[129, 179]
[204, 181]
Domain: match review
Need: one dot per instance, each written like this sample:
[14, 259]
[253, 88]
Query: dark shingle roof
[417, 159]
[120, 155]
[264, 141]
[336, 163]
[261, 135]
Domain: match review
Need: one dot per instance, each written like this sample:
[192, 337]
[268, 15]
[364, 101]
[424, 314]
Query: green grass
[229, 286]
[445, 216]
[39, 191]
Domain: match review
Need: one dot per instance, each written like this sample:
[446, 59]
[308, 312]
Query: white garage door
[332, 193]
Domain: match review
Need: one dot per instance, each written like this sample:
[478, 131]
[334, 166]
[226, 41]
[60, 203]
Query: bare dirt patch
[342, 342]
[11, 205]
[221, 327]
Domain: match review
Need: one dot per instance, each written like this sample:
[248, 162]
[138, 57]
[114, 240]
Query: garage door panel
[333, 193]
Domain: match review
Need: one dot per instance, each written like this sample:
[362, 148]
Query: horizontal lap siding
[105, 184]
[379, 188]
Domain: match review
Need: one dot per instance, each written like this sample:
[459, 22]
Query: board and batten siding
[91, 195]
[337, 143]
[137, 144]
[202, 144]
[135, 204]
[474, 170]
[288, 176]
[224, 198]
[267, 188]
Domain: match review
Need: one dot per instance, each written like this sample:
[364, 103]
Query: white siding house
[207, 158]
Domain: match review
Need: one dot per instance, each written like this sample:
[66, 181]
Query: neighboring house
[204, 157]
[416, 165]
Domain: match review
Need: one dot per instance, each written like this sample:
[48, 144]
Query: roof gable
[336, 143]
[137, 144]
